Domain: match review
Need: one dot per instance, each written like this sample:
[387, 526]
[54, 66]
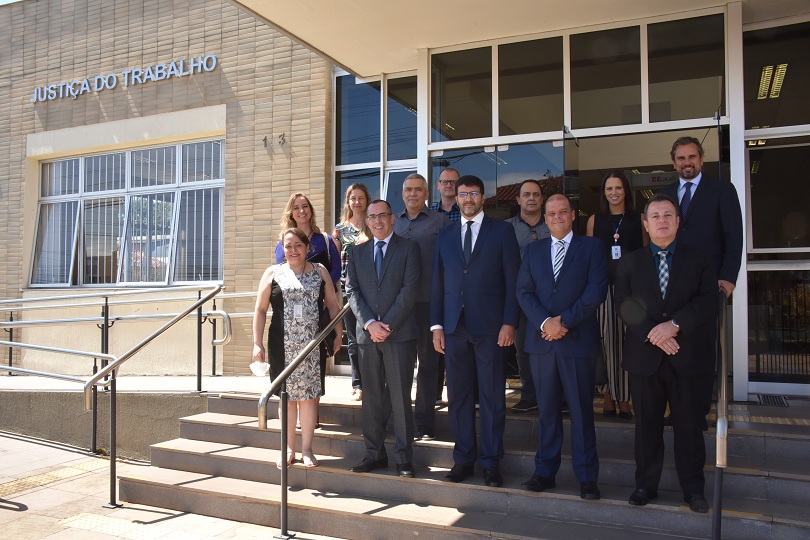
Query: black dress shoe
[459, 473]
[492, 477]
[609, 413]
[368, 465]
[642, 496]
[589, 491]
[424, 433]
[668, 421]
[405, 470]
[697, 503]
[705, 425]
[538, 483]
[626, 415]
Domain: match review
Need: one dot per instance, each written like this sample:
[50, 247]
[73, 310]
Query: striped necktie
[558, 258]
[686, 199]
[663, 272]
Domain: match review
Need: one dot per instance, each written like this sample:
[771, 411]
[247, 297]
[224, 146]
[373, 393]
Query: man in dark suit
[383, 275]
[666, 296]
[562, 282]
[473, 315]
[710, 220]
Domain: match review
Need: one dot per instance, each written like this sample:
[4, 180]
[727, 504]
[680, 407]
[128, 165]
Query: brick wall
[269, 85]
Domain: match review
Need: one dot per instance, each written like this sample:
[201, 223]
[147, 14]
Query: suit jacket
[392, 299]
[713, 224]
[484, 288]
[691, 299]
[579, 291]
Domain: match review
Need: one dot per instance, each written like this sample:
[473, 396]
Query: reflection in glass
[103, 223]
[154, 166]
[502, 171]
[401, 118]
[343, 179]
[202, 161]
[148, 238]
[394, 196]
[357, 122]
[778, 326]
[103, 173]
[773, 96]
[606, 78]
[461, 94]
[198, 247]
[780, 216]
[530, 86]
[59, 178]
[687, 77]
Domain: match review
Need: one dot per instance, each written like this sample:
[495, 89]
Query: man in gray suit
[383, 275]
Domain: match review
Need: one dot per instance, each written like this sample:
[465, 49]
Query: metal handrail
[115, 363]
[98, 295]
[110, 370]
[721, 459]
[280, 383]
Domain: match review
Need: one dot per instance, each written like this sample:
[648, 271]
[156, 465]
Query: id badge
[616, 251]
[298, 311]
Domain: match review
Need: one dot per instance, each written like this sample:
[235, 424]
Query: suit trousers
[470, 357]
[387, 372]
[556, 376]
[527, 391]
[685, 394]
[350, 323]
[428, 373]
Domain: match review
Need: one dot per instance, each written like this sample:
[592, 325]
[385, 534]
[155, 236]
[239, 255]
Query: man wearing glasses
[529, 227]
[383, 276]
[473, 315]
[447, 189]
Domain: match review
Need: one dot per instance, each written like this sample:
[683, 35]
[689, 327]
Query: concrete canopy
[370, 37]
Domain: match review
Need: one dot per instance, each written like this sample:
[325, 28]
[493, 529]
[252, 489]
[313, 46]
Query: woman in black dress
[618, 225]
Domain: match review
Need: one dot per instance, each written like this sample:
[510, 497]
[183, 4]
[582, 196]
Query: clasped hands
[663, 337]
[379, 331]
[553, 329]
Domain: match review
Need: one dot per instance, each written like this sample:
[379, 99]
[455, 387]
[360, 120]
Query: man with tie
[666, 296]
[710, 220]
[473, 315]
[562, 282]
[383, 276]
[422, 225]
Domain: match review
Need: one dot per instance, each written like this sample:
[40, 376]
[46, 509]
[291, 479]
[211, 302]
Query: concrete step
[745, 478]
[510, 513]
[772, 442]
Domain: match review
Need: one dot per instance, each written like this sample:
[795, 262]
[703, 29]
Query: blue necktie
[686, 199]
[378, 257]
[468, 242]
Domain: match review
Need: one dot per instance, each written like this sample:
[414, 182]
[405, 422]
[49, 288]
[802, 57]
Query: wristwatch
[675, 324]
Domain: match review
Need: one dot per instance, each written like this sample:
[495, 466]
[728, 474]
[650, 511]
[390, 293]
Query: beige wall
[267, 85]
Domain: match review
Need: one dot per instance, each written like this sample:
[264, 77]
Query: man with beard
[473, 315]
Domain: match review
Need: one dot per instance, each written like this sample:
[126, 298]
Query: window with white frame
[149, 216]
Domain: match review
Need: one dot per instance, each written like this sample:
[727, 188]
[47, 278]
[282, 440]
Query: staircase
[224, 466]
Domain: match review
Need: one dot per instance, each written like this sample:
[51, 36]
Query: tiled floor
[52, 491]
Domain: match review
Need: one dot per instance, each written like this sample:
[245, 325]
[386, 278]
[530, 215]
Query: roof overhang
[371, 37]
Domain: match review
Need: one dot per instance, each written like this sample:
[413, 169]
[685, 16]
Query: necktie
[378, 257]
[663, 272]
[558, 258]
[468, 242]
[686, 199]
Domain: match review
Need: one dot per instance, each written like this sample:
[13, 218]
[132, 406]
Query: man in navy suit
[562, 282]
[473, 315]
[710, 220]
[666, 295]
[383, 276]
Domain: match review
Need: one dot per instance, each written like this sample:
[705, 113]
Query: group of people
[638, 292]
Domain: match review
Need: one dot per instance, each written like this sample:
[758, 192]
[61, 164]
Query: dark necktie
[468, 242]
[558, 258]
[686, 199]
[663, 271]
[378, 257]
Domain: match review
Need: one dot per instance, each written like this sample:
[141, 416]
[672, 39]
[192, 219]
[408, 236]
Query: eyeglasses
[375, 217]
[470, 194]
[448, 182]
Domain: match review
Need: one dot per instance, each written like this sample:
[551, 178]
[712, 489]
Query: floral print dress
[295, 321]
